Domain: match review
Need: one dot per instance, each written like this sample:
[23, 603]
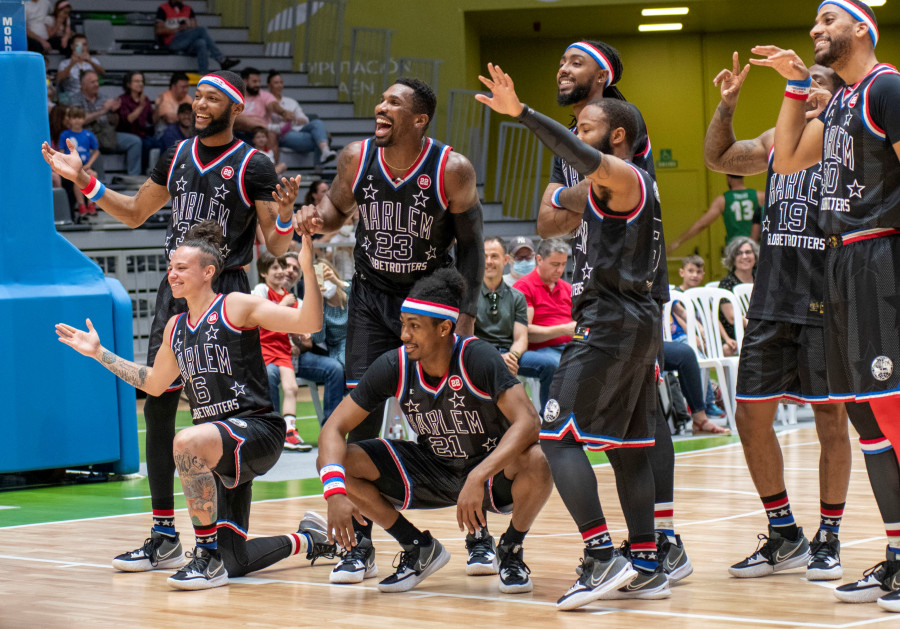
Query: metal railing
[518, 178]
[468, 126]
[369, 69]
[427, 70]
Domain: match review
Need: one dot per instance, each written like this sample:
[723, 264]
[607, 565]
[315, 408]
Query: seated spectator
[136, 114]
[69, 74]
[167, 104]
[177, 30]
[260, 143]
[102, 118]
[85, 143]
[521, 253]
[300, 134]
[740, 260]
[60, 28]
[549, 301]
[37, 19]
[276, 347]
[681, 358]
[336, 292]
[181, 130]
[258, 107]
[502, 320]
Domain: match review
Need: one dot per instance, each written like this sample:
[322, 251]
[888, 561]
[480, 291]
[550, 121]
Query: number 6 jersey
[404, 231]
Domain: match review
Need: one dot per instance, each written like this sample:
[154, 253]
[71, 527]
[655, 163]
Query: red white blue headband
[221, 84]
[857, 14]
[597, 55]
[429, 309]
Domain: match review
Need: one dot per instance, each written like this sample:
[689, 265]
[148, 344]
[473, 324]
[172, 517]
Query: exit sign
[665, 159]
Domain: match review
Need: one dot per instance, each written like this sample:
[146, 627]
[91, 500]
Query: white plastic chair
[702, 306]
[394, 424]
[712, 285]
[743, 292]
[674, 295]
[534, 386]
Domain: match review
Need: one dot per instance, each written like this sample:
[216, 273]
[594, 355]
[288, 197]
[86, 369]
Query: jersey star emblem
[178, 346]
[168, 240]
[238, 389]
[220, 192]
[412, 407]
[181, 183]
[211, 334]
[366, 243]
[225, 251]
[855, 189]
[490, 444]
[370, 192]
[848, 118]
[586, 271]
[420, 198]
[765, 224]
[431, 253]
[458, 400]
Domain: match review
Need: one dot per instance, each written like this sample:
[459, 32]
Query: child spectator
[85, 143]
[261, 144]
[276, 346]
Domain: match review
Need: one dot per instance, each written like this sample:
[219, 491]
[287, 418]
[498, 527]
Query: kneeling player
[477, 449]
[214, 347]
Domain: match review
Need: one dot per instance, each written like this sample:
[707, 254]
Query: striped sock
[164, 521]
[781, 519]
[597, 539]
[300, 543]
[893, 534]
[207, 536]
[643, 556]
[830, 516]
[664, 519]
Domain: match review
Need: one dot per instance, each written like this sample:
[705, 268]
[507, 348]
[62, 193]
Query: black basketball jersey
[860, 169]
[405, 230]
[212, 191]
[565, 174]
[615, 261]
[221, 365]
[790, 273]
[455, 419]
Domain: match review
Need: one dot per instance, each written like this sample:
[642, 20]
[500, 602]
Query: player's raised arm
[132, 211]
[338, 203]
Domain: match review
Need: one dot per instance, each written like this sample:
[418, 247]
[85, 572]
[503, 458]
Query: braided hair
[206, 236]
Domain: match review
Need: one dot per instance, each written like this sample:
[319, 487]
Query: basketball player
[415, 198]
[857, 139]
[237, 435]
[783, 355]
[740, 208]
[603, 395]
[477, 445]
[210, 176]
[589, 71]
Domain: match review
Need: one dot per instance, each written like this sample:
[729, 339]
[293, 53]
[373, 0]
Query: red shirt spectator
[174, 16]
[548, 297]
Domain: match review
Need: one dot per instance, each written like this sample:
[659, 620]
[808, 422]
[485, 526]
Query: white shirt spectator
[289, 104]
[72, 83]
[37, 17]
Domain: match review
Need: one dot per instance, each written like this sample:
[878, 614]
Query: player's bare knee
[194, 441]
[831, 425]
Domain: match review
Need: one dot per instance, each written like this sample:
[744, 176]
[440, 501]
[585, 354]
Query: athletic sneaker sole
[144, 565]
[483, 569]
[891, 604]
[356, 576]
[764, 569]
[682, 571]
[198, 584]
[656, 593]
[582, 598]
[820, 574]
[518, 588]
[414, 580]
[860, 595]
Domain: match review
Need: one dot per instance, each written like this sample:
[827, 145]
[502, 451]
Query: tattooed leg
[197, 450]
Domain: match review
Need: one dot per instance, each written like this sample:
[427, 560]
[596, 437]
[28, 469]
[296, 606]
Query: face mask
[330, 290]
[78, 48]
[346, 230]
[523, 267]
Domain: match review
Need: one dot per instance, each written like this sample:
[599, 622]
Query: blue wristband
[801, 84]
[554, 198]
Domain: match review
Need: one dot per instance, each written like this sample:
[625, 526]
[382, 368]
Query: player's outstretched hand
[307, 220]
[305, 258]
[469, 513]
[286, 192]
[341, 513]
[786, 62]
[86, 343]
[503, 97]
[729, 82]
[65, 165]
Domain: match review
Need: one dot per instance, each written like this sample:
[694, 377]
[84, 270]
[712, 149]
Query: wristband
[283, 228]
[554, 200]
[516, 355]
[94, 190]
[332, 476]
[798, 90]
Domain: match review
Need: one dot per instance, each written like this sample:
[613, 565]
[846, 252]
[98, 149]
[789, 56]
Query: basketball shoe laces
[515, 562]
[479, 548]
[407, 559]
[149, 549]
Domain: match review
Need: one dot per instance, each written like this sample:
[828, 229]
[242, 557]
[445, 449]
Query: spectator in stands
[177, 30]
[60, 28]
[521, 253]
[740, 259]
[37, 19]
[549, 301]
[167, 104]
[502, 320]
[681, 358]
[77, 138]
[102, 118]
[136, 114]
[261, 144]
[300, 134]
[71, 70]
[181, 130]
[336, 293]
[258, 107]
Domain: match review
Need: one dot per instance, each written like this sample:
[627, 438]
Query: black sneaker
[204, 571]
[648, 585]
[356, 564]
[877, 581]
[416, 562]
[513, 570]
[824, 557]
[597, 578]
[229, 62]
[482, 553]
[774, 554]
[672, 557]
[890, 602]
[315, 528]
[159, 552]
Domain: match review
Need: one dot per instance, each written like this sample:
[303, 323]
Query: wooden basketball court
[58, 574]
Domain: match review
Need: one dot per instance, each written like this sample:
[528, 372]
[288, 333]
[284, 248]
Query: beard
[252, 91]
[216, 125]
[604, 146]
[579, 93]
[838, 48]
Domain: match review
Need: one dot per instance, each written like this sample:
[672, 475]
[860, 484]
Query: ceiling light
[875, 3]
[670, 11]
[647, 28]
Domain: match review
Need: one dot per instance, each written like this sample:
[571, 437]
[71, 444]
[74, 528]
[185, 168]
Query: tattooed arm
[154, 380]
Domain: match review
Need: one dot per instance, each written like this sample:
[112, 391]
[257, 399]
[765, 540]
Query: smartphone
[320, 273]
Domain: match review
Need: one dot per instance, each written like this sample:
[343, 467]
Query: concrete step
[134, 6]
[170, 63]
[135, 32]
[509, 228]
[329, 110]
